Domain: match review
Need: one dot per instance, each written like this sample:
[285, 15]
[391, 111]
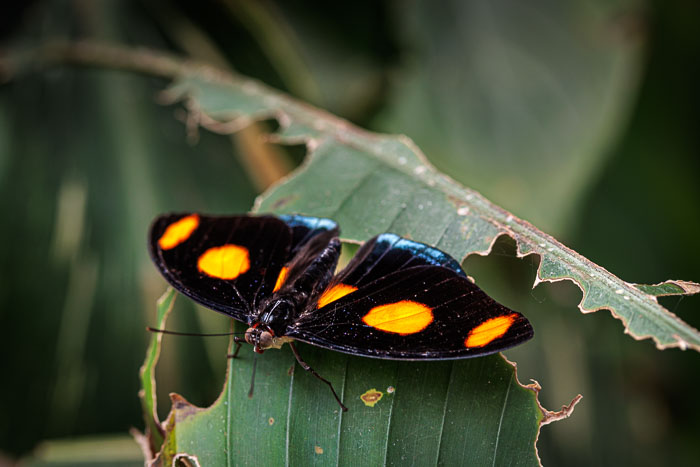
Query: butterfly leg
[306, 367]
[239, 341]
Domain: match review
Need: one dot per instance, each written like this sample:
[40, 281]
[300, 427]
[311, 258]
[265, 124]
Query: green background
[581, 119]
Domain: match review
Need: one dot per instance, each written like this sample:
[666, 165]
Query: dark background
[580, 118]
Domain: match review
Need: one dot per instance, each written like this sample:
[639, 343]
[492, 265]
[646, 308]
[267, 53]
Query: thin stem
[15, 62]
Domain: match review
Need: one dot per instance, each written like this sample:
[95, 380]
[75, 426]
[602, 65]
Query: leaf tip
[565, 412]
[143, 442]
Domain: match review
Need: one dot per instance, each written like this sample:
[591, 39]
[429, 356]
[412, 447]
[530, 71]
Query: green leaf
[453, 413]
[670, 288]
[147, 394]
[372, 183]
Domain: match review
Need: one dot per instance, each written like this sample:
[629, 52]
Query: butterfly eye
[250, 336]
[265, 341]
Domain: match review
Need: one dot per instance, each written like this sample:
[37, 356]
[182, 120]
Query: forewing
[225, 263]
[416, 313]
[305, 228]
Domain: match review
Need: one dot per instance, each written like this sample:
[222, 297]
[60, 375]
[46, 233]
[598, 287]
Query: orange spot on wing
[334, 293]
[281, 278]
[178, 232]
[404, 317]
[489, 330]
[224, 262]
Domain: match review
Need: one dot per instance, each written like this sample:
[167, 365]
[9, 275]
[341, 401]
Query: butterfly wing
[305, 228]
[426, 309]
[313, 257]
[231, 263]
[388, 253]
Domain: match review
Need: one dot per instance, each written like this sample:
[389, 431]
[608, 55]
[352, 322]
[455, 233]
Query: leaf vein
[500, 421]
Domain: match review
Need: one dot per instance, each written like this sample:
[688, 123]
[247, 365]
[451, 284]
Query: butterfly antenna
[252, 378]
[176, 333]
[306, 367]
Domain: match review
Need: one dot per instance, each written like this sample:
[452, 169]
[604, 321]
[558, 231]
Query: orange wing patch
[281, 278]
[489, 330]
[404, 317]
[178, 232]
[334, 293]
[224, 262]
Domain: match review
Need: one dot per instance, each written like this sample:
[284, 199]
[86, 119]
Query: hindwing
[399, 299]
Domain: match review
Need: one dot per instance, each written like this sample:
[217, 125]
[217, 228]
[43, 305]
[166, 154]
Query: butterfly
[396, 299]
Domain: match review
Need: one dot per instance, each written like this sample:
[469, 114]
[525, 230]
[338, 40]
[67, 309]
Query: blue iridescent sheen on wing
[311, 223]
[427, 253]
[387, 253]
[304, 228]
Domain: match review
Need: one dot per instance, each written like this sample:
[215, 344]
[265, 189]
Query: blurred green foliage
[581, 118]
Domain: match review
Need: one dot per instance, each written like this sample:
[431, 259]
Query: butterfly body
[396, 299]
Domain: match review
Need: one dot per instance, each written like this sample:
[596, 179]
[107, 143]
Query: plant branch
[262, 167]
[20, 61]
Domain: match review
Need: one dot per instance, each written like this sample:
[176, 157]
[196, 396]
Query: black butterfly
[396, 299]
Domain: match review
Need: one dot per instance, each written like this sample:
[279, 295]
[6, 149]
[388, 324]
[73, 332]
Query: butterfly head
[263, 338]
[270, 324]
